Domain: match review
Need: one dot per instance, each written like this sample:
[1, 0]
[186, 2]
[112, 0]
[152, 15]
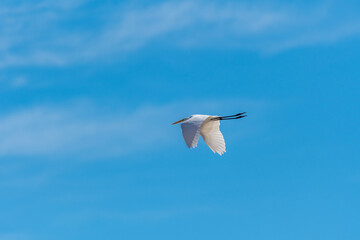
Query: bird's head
[182, 120]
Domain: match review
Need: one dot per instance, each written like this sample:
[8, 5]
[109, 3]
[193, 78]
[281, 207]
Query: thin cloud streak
[58, 131]
[150, 215]
[39, 33]
[87, 130]
[13, 236]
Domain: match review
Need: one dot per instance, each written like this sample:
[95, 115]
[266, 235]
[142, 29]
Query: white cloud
[57, 131]
[19, 82]
[54, 33]
[13, 236]
[16, 176]
[146, 215]
[83, 129]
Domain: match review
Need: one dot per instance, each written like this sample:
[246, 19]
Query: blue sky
[89, 90]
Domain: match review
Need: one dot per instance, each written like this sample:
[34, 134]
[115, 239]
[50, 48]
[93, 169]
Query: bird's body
[208, 127]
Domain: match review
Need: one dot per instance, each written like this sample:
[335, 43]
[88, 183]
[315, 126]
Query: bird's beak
[178, 121]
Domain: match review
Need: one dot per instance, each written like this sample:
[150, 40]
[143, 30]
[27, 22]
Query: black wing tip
[236, 116]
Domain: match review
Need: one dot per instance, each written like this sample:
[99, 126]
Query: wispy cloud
[146, 215]
[19, 82]
[84, 129]
[47, 130]
[17, 176]
[53, 33]
[13, 236]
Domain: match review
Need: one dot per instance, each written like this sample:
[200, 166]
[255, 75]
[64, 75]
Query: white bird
[208, 127]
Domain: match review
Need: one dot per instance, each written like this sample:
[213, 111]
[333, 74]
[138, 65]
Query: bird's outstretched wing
[191, 131]
[210, 131]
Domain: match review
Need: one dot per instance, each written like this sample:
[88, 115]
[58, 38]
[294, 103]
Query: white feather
[208, 128]
[210, 131]
[191, 129]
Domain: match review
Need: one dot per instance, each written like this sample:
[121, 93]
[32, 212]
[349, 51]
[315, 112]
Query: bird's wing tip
[220, 152]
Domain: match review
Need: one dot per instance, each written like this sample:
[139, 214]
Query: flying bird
[208, 127]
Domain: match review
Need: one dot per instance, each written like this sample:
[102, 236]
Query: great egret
[208, 127]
